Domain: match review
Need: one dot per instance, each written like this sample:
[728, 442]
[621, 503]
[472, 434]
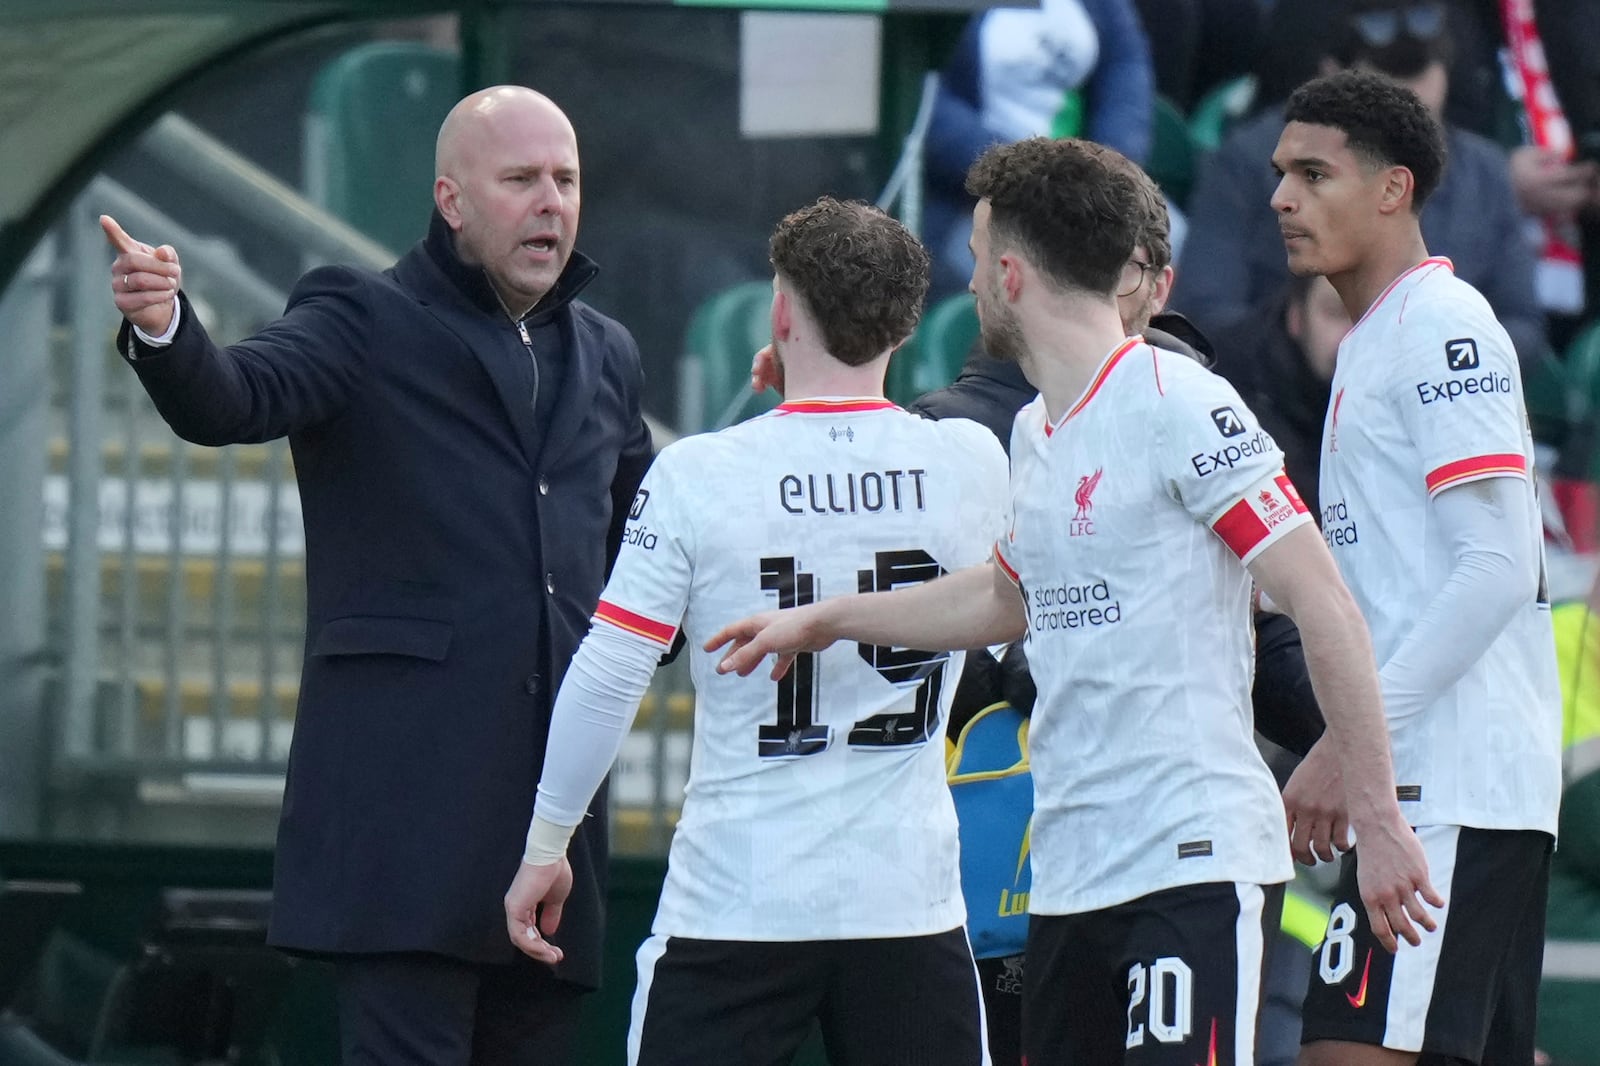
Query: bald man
[468, 438]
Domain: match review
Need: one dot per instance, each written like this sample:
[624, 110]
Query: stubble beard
[1001, 334]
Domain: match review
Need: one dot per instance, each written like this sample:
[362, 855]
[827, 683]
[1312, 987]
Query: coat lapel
[582, 340]
[486, 337]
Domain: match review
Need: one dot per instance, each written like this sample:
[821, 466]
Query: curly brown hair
[860, 273]
[1072, 206]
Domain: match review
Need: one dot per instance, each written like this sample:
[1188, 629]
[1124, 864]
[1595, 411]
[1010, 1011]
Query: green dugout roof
[80, 77]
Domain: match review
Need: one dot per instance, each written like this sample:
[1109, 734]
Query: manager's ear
[447, 197]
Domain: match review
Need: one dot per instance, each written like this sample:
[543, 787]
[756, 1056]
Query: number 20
[1170, 984]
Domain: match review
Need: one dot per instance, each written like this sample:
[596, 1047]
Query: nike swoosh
[1211, 1057]
[1359, 1000]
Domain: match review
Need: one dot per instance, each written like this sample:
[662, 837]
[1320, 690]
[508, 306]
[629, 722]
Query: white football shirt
[1132, 520]
[1427, 394]
[816, 806]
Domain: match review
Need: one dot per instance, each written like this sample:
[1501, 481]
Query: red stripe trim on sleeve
[1005, 567]
[623, 618]
[1241, 529]
[1479, 466]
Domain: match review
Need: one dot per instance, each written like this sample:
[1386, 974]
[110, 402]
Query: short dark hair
[860, 273]
[1382, 121]
[1070, 205]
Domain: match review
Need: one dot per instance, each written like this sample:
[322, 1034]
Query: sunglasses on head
[1382, 27]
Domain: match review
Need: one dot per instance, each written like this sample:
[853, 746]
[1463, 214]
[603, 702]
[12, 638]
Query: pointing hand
[144, 280]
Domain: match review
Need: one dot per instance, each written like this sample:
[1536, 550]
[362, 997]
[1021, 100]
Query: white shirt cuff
[171, 331]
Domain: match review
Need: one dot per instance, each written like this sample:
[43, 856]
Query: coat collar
[473, 284]
[459, 296]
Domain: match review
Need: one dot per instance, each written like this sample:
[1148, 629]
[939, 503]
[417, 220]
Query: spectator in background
[1569, 30]
[1233, 260]
[1298, 38]
[1280, 358]
[1196, 45]
[1070, 68]
[1555, 173]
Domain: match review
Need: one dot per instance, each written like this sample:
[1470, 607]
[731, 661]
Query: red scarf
[1560, 275]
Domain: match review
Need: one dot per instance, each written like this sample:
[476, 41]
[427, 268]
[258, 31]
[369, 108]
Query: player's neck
[1065, 347]
[810, 373]
[1360, 287]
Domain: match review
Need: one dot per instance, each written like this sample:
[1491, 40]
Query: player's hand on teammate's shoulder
[533, 908]
[782, 633]
[1314, 803]
[144, 280]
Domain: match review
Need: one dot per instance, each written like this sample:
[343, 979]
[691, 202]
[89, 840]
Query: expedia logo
[640, 537]
[640, 498]
[1075, 607]
[1338, 528]
[1461, 354]
[1452, 390]
[1229, 457]
[1228, 423]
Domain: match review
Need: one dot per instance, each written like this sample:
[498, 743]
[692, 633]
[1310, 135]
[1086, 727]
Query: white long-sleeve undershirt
[593, 711]
[1496, 567]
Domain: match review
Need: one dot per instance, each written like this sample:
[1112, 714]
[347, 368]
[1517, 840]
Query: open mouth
[540, 244]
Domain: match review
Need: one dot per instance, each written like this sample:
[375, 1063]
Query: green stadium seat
[1563, 395]
[1545, 390]
[374, 114]
[1218, 110]
[724, 334]
[933, 357]
[1172, 152]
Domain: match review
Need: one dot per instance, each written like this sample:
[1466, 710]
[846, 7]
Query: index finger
[722, 636]
[118, 236]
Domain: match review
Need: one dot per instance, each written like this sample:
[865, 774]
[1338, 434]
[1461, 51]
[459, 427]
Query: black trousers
[431, 1010]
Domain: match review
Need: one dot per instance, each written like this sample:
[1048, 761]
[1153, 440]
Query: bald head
[482, 118]
[506, 183]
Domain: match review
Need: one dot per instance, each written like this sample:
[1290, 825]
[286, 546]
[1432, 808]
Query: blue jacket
[1120, 100]
[455, 550]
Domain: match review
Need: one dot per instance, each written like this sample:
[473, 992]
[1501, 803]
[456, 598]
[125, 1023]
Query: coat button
[550, 584]
[544, 486]
[532, 685]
